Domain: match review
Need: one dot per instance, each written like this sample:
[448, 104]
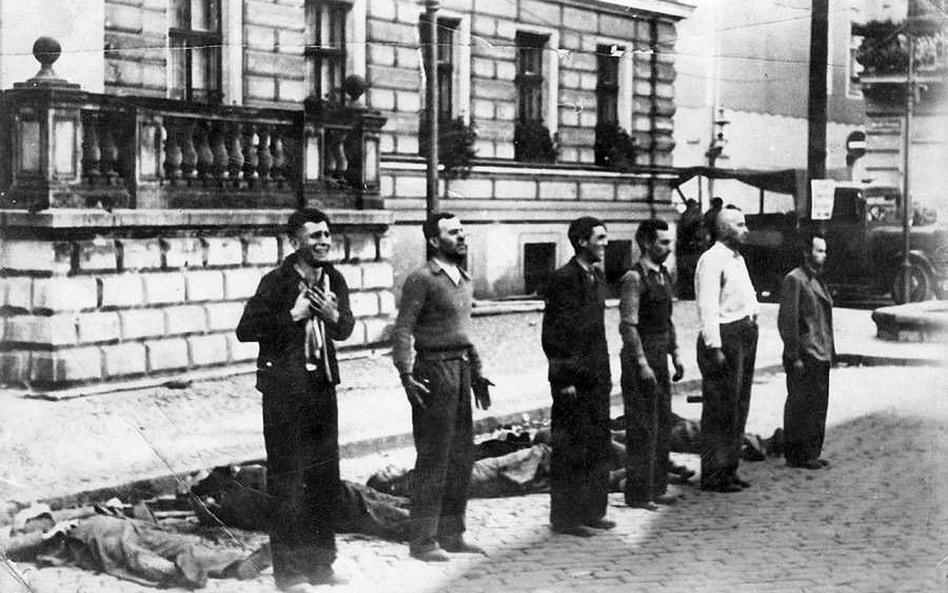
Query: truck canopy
[783, 181]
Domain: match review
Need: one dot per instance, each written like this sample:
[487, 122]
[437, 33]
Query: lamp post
[716, 148]
[906, 198]
[431, 104]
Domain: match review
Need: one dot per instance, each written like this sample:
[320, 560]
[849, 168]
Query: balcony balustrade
[61, 147]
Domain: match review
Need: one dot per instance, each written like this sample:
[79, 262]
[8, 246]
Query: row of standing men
[302, 307]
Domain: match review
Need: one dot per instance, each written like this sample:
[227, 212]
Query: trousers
[804, 414]
[444, 444]
[726, 393]
[648, 421]
[302, 441]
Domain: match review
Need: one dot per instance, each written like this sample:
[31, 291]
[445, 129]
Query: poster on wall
[821, 204]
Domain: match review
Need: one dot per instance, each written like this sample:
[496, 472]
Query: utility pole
[431, 104]
[906, 144]
[816, 106]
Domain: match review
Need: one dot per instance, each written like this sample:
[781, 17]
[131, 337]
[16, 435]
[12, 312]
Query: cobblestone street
[873, 522]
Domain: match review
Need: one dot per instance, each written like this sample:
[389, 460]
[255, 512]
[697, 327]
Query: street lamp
[717, 146]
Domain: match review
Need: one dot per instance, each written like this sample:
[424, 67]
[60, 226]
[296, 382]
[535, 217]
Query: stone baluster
[173, 156]
[205, 156]
[219, 150]
[279, 154]
[91, 153]
[264, 157]
[250, 153]
[235, 161]
[189, 154]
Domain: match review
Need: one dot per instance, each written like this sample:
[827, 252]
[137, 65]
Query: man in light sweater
[727, 347]
[435, 310]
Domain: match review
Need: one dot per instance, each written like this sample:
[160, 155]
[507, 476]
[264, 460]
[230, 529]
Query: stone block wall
[111, 302]
[395, 81]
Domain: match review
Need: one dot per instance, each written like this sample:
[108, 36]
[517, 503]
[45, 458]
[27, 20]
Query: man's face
[659, 249]
[594, 248]
[734, 226]
[817, 255]
[313, 242]
[450, 241]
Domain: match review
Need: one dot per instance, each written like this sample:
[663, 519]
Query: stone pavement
[873, 522]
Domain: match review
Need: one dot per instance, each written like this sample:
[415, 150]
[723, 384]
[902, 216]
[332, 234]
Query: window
[447, 31]
[326, 46]
[607, 83]
[196, 42]
[530, 77]
[539, 260]
[853, 69]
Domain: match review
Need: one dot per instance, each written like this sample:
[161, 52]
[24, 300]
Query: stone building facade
[146, 172]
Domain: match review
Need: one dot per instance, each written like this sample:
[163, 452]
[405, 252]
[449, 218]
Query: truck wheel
[921, 285]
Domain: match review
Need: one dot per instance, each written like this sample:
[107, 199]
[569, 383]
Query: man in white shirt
[727, 346]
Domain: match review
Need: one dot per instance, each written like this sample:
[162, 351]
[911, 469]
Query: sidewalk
[72, 450]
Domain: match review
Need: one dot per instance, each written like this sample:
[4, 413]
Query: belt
[745, 320]
[454, 354]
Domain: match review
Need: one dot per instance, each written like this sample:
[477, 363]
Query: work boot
[435, 554]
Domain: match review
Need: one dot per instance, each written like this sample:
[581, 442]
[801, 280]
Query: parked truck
[864, 235]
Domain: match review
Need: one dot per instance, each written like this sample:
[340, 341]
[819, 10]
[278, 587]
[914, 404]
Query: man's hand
[679, 368]
[717, 357]
[798, 367]
[324, 303]
[568, 392]
[62, 527]
[302, 308]
[646, 374]
[415, 389]
[481, 388]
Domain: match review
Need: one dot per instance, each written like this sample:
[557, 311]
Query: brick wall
[109, 303]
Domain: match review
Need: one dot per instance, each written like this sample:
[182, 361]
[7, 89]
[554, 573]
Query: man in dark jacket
[574, 341]
[805, 321]
[296, 313]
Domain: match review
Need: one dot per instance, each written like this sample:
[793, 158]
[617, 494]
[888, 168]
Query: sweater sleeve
[629, 295]
[413, 299]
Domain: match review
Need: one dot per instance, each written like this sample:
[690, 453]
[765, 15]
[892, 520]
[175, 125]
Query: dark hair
[302, 216]
[648, 231]
[717, 202]
[430, 226]
[806, 239]
[582, 228]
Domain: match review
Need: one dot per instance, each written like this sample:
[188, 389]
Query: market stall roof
[785, 181]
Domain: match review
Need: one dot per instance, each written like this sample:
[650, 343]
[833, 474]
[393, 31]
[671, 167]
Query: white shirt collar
[453, 272]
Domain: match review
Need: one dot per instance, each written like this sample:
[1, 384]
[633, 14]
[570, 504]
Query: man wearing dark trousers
[296, 313]
[727, 348]
[435, 313]
[805, 321]
[648, 339]
[574, 341]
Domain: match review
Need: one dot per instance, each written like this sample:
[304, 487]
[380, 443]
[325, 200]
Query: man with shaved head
[727, 346]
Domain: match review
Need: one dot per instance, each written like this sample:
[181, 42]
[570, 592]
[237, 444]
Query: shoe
[735, 479]
[577, 530]
[808, 464]
[254, 564]
[300, 588]
[647, 505]
[666, 499]
[459, 546]
[724, 487]
[823, 462]
[430, 555]
[601, 524]
[324, 575]
[681, 471]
